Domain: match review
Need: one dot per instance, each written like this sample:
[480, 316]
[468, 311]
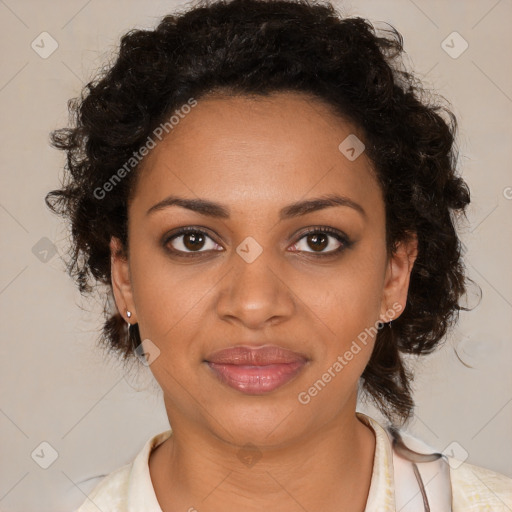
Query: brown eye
[193, 241]
[322, 242]
[188, 241]
[318, 241]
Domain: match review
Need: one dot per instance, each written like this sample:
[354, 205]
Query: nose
[255, 292]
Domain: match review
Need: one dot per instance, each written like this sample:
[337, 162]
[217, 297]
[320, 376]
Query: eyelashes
[192, 233]
[189, 238]
[323, 234]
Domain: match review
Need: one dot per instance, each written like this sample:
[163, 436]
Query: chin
[258, 421]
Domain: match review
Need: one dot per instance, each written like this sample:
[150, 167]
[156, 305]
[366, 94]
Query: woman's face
[249, 273]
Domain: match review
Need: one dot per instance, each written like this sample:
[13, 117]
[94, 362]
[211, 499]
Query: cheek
[349, 314]
[348, 305]
[346, 299]
[168, 296]
[170, 309]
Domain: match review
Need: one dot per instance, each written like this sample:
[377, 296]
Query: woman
[272, 203]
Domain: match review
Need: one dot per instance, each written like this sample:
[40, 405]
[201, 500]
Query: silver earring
[128, 314]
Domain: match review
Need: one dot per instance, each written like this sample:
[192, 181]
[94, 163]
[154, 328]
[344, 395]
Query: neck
[331, 467]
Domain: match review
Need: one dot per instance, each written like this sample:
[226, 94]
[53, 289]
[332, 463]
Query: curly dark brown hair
[256, 47]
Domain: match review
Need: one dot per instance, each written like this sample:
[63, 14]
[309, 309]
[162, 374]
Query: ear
[396, 282]
[121, 284]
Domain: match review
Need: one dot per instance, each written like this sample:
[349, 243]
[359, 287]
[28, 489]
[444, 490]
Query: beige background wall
[55, 387]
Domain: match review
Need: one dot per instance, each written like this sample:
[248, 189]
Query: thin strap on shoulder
[421, 479]
[417, 474]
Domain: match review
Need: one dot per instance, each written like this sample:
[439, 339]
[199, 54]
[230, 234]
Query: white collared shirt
[472, 489]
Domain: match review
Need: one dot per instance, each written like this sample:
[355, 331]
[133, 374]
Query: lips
[255, 370]
[269, 354]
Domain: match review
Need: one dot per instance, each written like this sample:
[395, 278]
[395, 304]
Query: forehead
[256, 151]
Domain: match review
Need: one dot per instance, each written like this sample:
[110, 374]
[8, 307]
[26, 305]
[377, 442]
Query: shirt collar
[381, 497]
[141, 493]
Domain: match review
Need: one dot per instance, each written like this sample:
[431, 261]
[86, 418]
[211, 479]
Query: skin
[256, 156]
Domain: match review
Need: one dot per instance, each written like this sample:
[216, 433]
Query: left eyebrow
[217, 210]
[319, 203]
